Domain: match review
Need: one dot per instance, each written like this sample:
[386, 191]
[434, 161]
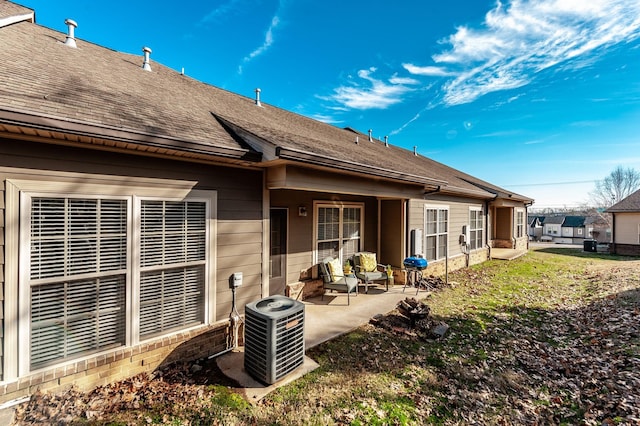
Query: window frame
[520, 223]
[438, 234]
[480, 219]
[17, 292]
[27, 282]
[317, 205]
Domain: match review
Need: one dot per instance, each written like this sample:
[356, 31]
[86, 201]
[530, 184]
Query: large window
[77, 274]
[436, 225]
[519, 223]
[105, 272]
[475, 228]
[338, 230]
[172, 263]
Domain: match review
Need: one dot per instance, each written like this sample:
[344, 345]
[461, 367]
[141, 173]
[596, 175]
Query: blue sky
[540, 97]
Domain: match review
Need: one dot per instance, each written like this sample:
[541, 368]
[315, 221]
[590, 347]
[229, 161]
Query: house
[131, 193]
[625, 226]
[573, 230]
[552, 228]
[536, 224]
[597, 227]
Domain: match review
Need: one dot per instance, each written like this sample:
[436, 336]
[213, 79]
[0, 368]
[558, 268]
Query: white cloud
[268, 38]
[523, 37]
[374, 93]
[222, 10]
[428, 71]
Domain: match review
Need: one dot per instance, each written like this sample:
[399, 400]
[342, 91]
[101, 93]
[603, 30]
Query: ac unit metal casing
[273, 337]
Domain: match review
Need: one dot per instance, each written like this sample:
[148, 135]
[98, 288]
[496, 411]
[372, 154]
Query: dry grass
[550, 338]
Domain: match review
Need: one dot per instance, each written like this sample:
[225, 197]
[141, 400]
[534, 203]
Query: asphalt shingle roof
[44, 81]
[573, 221]
[629, 204]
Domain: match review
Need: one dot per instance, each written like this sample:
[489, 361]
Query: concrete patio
[324, 320]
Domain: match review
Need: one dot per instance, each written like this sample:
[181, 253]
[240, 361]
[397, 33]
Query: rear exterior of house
[129, 197]
[573, 230]
[626, 226]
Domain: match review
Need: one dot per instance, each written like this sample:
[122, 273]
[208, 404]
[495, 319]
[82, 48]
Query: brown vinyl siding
[458, 216]
[239, 202]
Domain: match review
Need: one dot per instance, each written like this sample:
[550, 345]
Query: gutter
[315, 159]
[78, 128]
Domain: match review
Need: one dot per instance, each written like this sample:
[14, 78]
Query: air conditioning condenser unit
[273, 338]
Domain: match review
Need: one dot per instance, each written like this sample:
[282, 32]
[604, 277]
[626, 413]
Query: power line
[550, 183]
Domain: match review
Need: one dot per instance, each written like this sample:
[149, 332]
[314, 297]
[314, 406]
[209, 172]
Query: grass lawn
[550, 338]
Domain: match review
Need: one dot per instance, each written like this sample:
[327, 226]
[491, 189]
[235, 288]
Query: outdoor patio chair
[333, 278]
[369, 270]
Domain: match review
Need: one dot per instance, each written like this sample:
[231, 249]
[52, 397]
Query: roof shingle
[93, 85]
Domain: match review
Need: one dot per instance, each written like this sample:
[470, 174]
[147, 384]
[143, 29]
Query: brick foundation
[625, 249]
[119, 364]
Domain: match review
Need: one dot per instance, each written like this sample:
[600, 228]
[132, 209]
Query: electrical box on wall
[416, 243]
[235, 280]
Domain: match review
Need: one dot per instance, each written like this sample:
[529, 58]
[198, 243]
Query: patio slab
[324, 320]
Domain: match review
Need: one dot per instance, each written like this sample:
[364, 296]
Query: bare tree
[619, 184]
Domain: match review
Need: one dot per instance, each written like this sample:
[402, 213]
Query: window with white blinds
[82, 267]
[475, 228]
[78, 266]
[338, 231]
[436, 226]
[172, 264]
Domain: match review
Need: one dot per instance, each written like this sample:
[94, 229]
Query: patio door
[277, 251]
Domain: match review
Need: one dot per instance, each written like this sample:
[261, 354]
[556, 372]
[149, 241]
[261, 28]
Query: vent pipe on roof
[357, 139]
[386, 141]
[71, 39]
[258, 96]
[146, 65]
[370, 138]
[415, 150]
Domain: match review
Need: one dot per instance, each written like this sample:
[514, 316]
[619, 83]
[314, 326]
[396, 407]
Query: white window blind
[172, 261]
[77, 277]
[436, 227]
[475, 229]
[338, 231]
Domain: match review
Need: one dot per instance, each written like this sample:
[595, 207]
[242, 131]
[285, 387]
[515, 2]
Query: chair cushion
[335, 269]
[368, 262]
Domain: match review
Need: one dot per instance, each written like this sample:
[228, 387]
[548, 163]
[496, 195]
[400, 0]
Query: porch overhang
[363, 169]
[322, 179]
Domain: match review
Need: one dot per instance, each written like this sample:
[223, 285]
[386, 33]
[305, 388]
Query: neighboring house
[626, 225]
[573, 230]
[130, 196]
[552, 228]
[536, 224]
[598, 228]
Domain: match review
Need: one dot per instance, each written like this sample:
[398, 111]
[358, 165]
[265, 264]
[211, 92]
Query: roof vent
[146, 65]
[415, 150]
[386, 141]
[71, 39]
[258, 96]
[370, 138]
[357, 139]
